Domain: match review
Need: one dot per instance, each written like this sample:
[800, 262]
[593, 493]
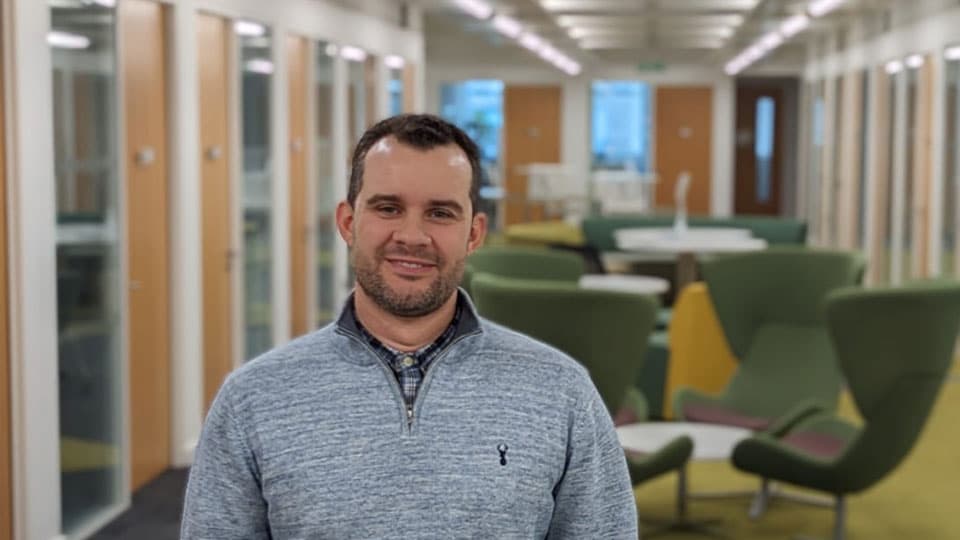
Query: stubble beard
[413, 304]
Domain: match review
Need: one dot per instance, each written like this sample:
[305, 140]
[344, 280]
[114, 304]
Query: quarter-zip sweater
[509, 439]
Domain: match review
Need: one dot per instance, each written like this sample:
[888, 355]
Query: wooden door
[684, 137]
[299, 225]
[759, 141]
[409, 88]
[144, 89]
[6, 433]
[531, 134]
[922, 170]
[213, 48]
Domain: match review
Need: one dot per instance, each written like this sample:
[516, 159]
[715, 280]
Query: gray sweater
[509, 439]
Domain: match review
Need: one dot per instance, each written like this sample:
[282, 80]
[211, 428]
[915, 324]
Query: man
[410, 417]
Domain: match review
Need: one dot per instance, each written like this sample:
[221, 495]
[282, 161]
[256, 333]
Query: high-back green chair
[524, 262]
[770, 306]
[606, 331]
[895, 348]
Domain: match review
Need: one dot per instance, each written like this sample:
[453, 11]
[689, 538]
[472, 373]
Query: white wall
[31, 215]
[575, 145]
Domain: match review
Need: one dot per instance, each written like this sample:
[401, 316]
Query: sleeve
[223, 498]
[594, 499]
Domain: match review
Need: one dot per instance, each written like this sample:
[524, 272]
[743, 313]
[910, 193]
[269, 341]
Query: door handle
[145, 156]
[214, 152]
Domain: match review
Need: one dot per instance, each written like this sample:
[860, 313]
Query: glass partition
[815, 160]
[620, 125]
[476, 107]
[256, 72]
[912, 75]
[833, 199]
[356, 102]
[83, 51]
[396, 91]
[886, 257]
[326, 198]
[951, 170]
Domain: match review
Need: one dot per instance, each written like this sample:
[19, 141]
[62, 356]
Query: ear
[478, 232]
[344, 218]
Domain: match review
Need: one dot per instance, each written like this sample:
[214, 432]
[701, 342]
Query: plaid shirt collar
[464, 321]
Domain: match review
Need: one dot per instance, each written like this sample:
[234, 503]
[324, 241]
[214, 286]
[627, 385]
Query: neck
[402, 333]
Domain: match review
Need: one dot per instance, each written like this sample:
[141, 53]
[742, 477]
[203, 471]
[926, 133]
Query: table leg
[682, 523]
[686, 271]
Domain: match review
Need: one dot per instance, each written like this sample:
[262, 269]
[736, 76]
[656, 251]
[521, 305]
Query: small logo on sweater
[502, 448]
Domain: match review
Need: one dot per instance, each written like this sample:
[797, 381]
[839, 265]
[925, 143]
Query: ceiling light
[477, 8]
[893, 67]
[393, 61]
[531, 42]
[105, 3]
[914, 61]
[66, 40]
[819, 8]
[770, 41]
[247, 28]
[952, 53]
[507, 26]
[354, 54]
[258, 65]
[794, 25]
[331, 50]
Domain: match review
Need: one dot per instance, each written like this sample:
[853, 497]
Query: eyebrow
[444, 203]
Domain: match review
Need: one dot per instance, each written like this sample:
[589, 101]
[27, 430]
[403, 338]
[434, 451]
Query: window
[620, 125]
[763, 146]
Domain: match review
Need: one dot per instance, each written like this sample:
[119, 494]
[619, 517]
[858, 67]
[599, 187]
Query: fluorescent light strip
[952, 53]
[354, 54]
[247, 28]
[66, 40]
[393, 61]
[794, 25]
[507, 26]
[258, 65]
[477, 8]
[819, 8]
[893, 67]
[914, 61]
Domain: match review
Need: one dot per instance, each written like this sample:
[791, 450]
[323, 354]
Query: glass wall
[765, 129]
[83, 50]
[395, 89]
[815, 160]
[913, 80]
[951, 170]
[357, 102]
[326, 198]
[833, 199]
[255, 78]
[885, 271]
[620, 125]
[477, 107]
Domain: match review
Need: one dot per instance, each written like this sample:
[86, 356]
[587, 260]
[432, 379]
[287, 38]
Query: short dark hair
[421, 131]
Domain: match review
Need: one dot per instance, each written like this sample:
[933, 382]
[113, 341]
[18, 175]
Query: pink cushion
[716, 414]
[821, 445]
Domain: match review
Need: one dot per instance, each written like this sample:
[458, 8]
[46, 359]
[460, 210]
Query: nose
[410, 231]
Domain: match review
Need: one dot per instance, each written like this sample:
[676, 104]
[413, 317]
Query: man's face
[412, 227]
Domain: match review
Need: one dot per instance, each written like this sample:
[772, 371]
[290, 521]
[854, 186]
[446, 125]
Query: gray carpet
[154, 513]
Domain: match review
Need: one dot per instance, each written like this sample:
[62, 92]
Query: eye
[388, 210]
[441, 213]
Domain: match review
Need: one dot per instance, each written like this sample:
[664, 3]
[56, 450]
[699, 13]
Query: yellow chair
[700, 357]
[544, 233]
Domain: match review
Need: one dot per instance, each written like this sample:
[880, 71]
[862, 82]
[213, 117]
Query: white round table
[687, 245]
[625, 283]
[711, 442]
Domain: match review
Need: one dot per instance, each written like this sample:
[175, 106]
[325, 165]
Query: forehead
[397, 168]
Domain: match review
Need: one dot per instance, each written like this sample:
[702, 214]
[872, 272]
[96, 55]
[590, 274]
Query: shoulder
[536, 357]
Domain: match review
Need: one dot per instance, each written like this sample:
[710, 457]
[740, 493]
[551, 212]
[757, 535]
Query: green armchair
[523, 262]
[895, 348]
[770, 305]
[606, 331]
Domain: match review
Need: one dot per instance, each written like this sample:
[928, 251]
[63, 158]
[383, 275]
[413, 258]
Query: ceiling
[631, 32]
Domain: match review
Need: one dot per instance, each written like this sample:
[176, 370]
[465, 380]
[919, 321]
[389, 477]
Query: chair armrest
[800, 412]
[633, 409]
[670, 457]
[684, 395]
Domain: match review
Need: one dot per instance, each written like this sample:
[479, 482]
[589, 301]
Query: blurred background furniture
[770, 306]
[895, 349]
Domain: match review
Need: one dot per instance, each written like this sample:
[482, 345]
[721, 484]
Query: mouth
[410, 267]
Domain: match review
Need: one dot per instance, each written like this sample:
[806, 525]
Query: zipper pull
[409, 415]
